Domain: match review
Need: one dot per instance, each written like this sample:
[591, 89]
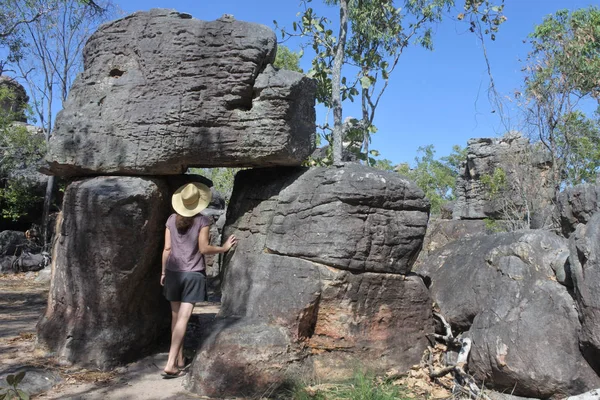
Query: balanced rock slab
[161, 92]
[105, 306]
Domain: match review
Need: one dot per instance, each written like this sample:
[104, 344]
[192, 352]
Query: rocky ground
[23, 299]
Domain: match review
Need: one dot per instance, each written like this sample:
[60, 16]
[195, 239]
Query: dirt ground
[22, 301]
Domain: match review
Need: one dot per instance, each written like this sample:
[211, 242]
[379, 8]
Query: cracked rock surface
[510, 293]
[162, 91]
[324, 254]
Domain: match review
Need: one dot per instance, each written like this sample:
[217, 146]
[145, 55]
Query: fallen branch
[463, 382]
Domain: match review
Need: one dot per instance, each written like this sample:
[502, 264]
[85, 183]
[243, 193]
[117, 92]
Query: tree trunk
[46, 211]
[336, 77]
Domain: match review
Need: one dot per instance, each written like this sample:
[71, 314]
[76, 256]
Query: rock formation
[585, 271]
[161, 92]
[105, 307]
[507, 292]
[519, 161]
[319, 275]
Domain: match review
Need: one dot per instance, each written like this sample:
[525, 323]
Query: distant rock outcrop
[161, 92]
[519, 161]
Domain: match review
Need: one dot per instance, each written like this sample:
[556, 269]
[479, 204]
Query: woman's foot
[172, 374]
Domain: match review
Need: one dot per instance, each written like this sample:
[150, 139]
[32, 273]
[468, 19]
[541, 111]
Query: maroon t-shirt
[185, 255]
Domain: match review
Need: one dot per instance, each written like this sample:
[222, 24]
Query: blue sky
[437, 97]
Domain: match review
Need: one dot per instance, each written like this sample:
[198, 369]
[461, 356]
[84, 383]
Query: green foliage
[287, 59]
[19, 148]
[379, 32]
[437, 178]
[563, 71]
[222, 179]
[494, 184]
[11, 391]
[16, 199]
[363, 386]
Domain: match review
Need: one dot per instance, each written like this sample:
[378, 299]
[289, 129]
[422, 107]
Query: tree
[20, 149]
[379, 32]
[562, 76]
[287, 59]
[46, 40]
[437, 178]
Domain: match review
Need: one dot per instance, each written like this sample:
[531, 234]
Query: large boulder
[162, 91]
[105, 306]
[585, 270]
[242, 357]
[577, 205]
[324, 255]
[509, 292]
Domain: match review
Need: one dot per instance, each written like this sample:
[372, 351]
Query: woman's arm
[165, 255]
[206, 248]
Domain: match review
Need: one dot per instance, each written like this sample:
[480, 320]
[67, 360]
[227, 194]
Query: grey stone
[352, 218]
[105, 306]
[585, 270]
[527, 343]
[161, 92]
[37, 380]
[12, 243]
[478, 264]
[513, 154]
[243, 358]
[442, 231]
[287, 276]
[577, 205]
[503, 290]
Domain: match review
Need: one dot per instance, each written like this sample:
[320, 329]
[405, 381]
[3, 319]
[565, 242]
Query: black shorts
[187, 287]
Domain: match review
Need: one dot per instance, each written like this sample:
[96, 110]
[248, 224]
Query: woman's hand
[162, 280]
[230, 242]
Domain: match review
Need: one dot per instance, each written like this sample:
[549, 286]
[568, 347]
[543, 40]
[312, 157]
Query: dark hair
[183, 223]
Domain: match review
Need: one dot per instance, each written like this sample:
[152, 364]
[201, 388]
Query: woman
[183, 270]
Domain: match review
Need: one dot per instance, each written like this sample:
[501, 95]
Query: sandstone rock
[242, 358]
[528, 345]
[161, 91]
[377, 321]
[441, 232]
[585, 270]
[577, 205]
[477, 265]
[105, 306]
[513, 154]
[503, 290]
[288, 271]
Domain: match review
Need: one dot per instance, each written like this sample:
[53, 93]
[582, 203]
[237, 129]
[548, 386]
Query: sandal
[172, 375]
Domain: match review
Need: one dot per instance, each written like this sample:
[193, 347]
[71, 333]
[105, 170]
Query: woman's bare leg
[180, 363]
[181, 313]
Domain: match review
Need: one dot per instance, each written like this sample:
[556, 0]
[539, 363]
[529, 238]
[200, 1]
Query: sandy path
[23, 300]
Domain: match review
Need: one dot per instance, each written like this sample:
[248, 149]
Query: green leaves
[12, 392]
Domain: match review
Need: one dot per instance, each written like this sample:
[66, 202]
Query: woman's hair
[183, 223]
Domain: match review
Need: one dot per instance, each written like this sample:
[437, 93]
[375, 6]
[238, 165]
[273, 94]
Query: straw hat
[191, 198]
